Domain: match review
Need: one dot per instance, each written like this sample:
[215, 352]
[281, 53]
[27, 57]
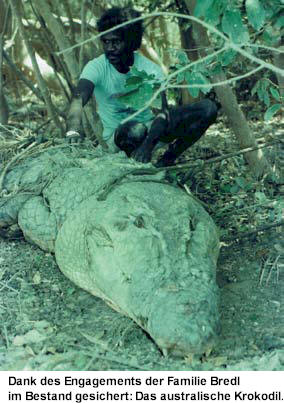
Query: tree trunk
[148, 51]
[279, 62]
[63, 42]
[187, 44]
[165, 41]
[42, 85]
[238, 122]
[4, 111]
[69, 57]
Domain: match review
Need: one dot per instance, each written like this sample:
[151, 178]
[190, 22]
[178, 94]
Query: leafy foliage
[266, 92]
[233, 26]
[255, 13]
[256, 21]
[140, 88]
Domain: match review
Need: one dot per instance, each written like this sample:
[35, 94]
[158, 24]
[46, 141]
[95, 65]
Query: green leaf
[270, 36]
[280, 22]
[255, 13]
[140, 96]
[233, 26]
[271, 111]
[275, 93]
[197, 78]
[201, 7]
[261, 197]
[234, 189]
[134, 80]
[227, 57]
[180, 78]
[255, 88]
[142, 74]
[213, 14]
[217, 69]
[241, 182]
[266, 98]
[262, 92]
[182, 57]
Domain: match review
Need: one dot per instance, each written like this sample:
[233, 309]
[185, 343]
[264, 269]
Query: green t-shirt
[109, 83]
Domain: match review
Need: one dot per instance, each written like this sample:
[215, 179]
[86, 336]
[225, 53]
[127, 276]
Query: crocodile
[124, 234]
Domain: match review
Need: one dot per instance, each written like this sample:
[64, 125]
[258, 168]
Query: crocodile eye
[139, 222]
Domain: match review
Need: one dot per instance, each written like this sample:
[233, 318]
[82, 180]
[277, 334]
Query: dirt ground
[47, 323]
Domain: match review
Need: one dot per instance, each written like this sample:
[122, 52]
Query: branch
[180, 167]
[22, 77]
[164, 86]
[253, 232]
[15, 158]
[276, 50]
[40, 80]
[83, 14]
[223, 157]
[229, 43]
[219, 83]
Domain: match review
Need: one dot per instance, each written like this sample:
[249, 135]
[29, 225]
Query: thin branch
[224, 157]
[83, 31]
[49, 51]
[203, 59]
[15, 158]
[2, 33]
[276, 50]
[200, 163]
[22, 77]
[164, 86]
[41, 82]
[253, 232]
[156, 14]
[229, 43]
[261, 62]
[219, 83]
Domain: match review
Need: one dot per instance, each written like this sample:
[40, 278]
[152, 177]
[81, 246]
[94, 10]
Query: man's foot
[167, 160]
[142, 154]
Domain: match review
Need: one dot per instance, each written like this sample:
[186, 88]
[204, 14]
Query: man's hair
[131, 33]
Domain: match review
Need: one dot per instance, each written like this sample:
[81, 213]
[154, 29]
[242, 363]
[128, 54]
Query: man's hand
[142, 154]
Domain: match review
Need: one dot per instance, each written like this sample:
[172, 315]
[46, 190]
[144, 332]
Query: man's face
[115, 49]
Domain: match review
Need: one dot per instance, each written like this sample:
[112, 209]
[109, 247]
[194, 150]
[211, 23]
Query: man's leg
[129, 136]
[158, 129]
[188, 124]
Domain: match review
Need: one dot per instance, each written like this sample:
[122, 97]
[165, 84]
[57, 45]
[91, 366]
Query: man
[106, 76]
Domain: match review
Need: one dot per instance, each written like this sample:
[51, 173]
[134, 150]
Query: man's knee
[130, 135]
[210, 110]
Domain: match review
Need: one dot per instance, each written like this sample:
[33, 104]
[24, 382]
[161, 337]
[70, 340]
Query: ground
[47, 323]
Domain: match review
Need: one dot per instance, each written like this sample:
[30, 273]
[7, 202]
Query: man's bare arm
[81, 96]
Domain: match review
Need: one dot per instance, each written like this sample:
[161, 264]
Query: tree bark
[279, 62]
[187, 44]
[226, 96]
[69, 57]
[42, 85]
[63, 42]
[166, 43]
[4, 110]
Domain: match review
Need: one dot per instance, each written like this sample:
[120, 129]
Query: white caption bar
[79, 387]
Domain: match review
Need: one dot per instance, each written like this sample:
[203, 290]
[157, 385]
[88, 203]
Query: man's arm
[81, 96]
